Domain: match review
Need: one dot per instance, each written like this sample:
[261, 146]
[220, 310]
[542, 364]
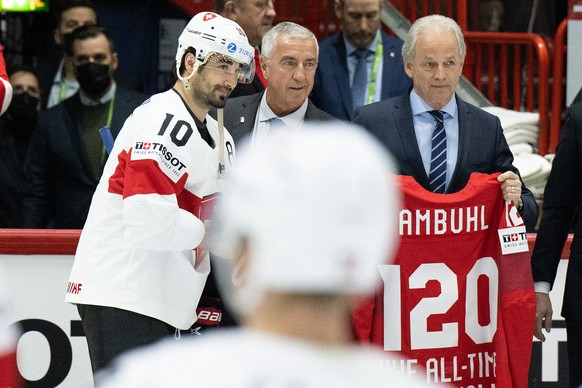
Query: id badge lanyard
[374, 73]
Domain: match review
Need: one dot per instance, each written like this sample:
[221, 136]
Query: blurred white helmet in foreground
[315, 208]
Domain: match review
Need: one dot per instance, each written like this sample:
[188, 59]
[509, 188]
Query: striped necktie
[438, 155]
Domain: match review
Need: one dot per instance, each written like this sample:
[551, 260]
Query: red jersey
[447, 302]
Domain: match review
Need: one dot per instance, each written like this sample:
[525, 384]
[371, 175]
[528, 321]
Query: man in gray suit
[288, 60]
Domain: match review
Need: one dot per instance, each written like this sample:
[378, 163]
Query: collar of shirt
[292, 120]
[88, 101]
[419, 106]
[265, 113]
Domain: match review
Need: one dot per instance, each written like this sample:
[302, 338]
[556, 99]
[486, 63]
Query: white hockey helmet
[209, 33]
[317, 209]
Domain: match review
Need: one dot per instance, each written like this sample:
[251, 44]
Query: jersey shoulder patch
[166, 154]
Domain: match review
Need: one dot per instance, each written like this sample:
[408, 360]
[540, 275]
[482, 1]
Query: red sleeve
[5, 88]
[9, 375]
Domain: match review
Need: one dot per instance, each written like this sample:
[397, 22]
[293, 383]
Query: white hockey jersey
[136, 250]
[249, 359]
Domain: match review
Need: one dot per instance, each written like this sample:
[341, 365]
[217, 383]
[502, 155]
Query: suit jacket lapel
[244, 112]
[464, 141]
[342, 76]
[312, 112]
[388, 62]
[72, 106]
[405, 127]
[120, 113]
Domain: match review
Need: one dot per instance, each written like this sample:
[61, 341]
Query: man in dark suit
[338, 89]
[255, 18]
[562, 199]
[16, 128]
[433, 52]
[66, 154]
[56, 74]
[289, 61]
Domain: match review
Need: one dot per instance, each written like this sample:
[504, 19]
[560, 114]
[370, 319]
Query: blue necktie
[438, 155]
[360, 80]
[275, 124]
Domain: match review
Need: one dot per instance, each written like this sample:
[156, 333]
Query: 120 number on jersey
[448, 335]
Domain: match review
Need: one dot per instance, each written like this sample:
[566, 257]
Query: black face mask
[93, 78]
[22, 109]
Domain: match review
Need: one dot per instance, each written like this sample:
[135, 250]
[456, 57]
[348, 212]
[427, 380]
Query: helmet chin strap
[186, 80]
[219, 112]
[220, 120]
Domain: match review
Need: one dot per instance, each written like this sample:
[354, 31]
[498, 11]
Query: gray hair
[290, 29]
[431, 22]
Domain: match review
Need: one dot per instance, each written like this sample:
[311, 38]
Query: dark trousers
[574, 345]
[111, 331]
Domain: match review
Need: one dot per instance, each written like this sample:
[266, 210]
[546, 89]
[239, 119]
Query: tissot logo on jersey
[514, 237]
[169, 163]
[513, 240]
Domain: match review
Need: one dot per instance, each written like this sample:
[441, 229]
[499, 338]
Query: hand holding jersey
[136, 259]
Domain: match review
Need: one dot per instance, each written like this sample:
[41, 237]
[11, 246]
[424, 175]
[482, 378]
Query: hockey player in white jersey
[140, 269]
[310, 215]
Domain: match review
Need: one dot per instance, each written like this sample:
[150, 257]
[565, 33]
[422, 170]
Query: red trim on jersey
[9, 376]
[116, 181]
[4, 76]
[134, 177]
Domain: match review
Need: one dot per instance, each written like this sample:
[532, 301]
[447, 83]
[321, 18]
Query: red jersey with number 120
[458, 310]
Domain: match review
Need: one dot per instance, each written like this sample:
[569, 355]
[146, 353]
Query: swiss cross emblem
[146, 146]
[514, 237]
[208, 16]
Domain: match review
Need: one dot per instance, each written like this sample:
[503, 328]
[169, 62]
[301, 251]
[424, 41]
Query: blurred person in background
[58, 79]
[67, 154]
[256, 18]
[15, 133]
[359, 65]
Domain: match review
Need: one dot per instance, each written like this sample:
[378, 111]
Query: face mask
[93, 78]
[22, 109]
